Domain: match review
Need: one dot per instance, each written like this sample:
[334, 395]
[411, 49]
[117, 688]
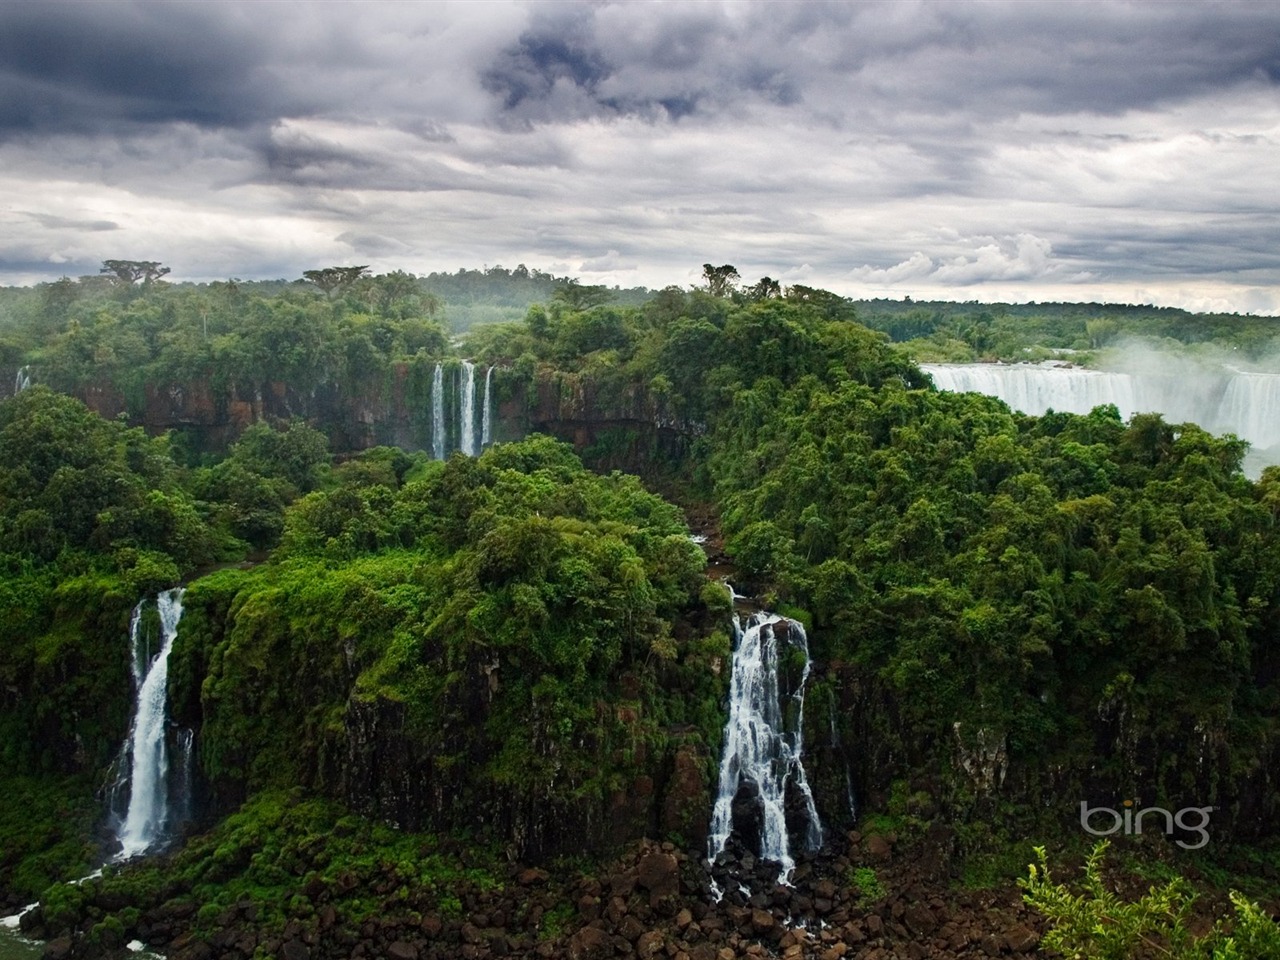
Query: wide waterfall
[1221, 401]
[460, 435]
[153, 809]
[762, 778]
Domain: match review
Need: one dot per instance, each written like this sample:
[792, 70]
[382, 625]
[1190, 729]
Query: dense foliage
[1006, 611]
[518, 573]
[964, 332]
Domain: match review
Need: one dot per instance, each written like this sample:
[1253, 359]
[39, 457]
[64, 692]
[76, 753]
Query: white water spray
[467, 408]
[148, 817]
[763, 741]
[437, 413]
[1220, 401]
[486, 423]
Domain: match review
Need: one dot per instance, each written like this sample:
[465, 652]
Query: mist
[1216, 389]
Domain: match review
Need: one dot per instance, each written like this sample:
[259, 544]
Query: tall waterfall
[486, 424]
[1221, 401]
[437, 412]
[762, 744]
[458, 431]
[467, 408]
[22, 380]
[150, 815]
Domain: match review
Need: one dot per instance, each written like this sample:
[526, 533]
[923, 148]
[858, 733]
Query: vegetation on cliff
[1008, 614]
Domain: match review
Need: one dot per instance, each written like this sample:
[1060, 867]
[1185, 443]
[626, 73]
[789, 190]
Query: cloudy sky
[974, 151]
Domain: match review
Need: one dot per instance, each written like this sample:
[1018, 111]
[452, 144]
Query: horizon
[171, 280]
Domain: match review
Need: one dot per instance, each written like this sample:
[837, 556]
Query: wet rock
[57, 949]
[294, 950]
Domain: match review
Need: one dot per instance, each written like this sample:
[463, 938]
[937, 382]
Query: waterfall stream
[437, 412]
[151, 813]
[467, 408]
[761, 769]
[486, 423]
[463, 437]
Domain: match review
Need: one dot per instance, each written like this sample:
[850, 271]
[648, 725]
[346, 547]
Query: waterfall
[149, 816]
[1221, 400]
[22, 380]
[467, 408]
[487, 421]
[443, 440]
[437, 413]
[763, 741]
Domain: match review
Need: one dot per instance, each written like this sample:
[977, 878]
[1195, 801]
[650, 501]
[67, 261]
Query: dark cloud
[910, 143]
[89, 66]
[553, 54]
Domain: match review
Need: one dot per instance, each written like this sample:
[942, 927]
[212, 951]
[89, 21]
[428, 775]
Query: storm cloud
[1025, 151]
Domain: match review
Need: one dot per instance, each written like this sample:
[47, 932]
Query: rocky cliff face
[624, 427]
[395, 777]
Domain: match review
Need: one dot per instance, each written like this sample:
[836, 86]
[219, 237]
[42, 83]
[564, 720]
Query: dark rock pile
[655, 901]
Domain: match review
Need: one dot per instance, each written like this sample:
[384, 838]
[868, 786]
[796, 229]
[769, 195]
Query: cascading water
[1221, 401]
[763, 741]
[437, 412]
[487, 421]
[444, 440]
[467, 408]
[22, 380]
[149, 815]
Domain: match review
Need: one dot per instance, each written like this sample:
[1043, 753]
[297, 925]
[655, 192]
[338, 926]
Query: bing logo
[1131, 821]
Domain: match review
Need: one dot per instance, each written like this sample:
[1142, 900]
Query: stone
[57, 949]
[878, 848]
[762, 921]
[1021, 939]
[589, 907]
[400, 950]
[919, 919]
[659, 873]
[294, 950]
[432, 925]
[650, 944]
[590, 943]
[631, 928]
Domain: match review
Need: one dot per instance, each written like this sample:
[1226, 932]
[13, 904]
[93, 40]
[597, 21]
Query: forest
[1007, 615]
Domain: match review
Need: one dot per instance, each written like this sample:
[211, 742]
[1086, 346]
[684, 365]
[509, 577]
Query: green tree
[720, 281]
